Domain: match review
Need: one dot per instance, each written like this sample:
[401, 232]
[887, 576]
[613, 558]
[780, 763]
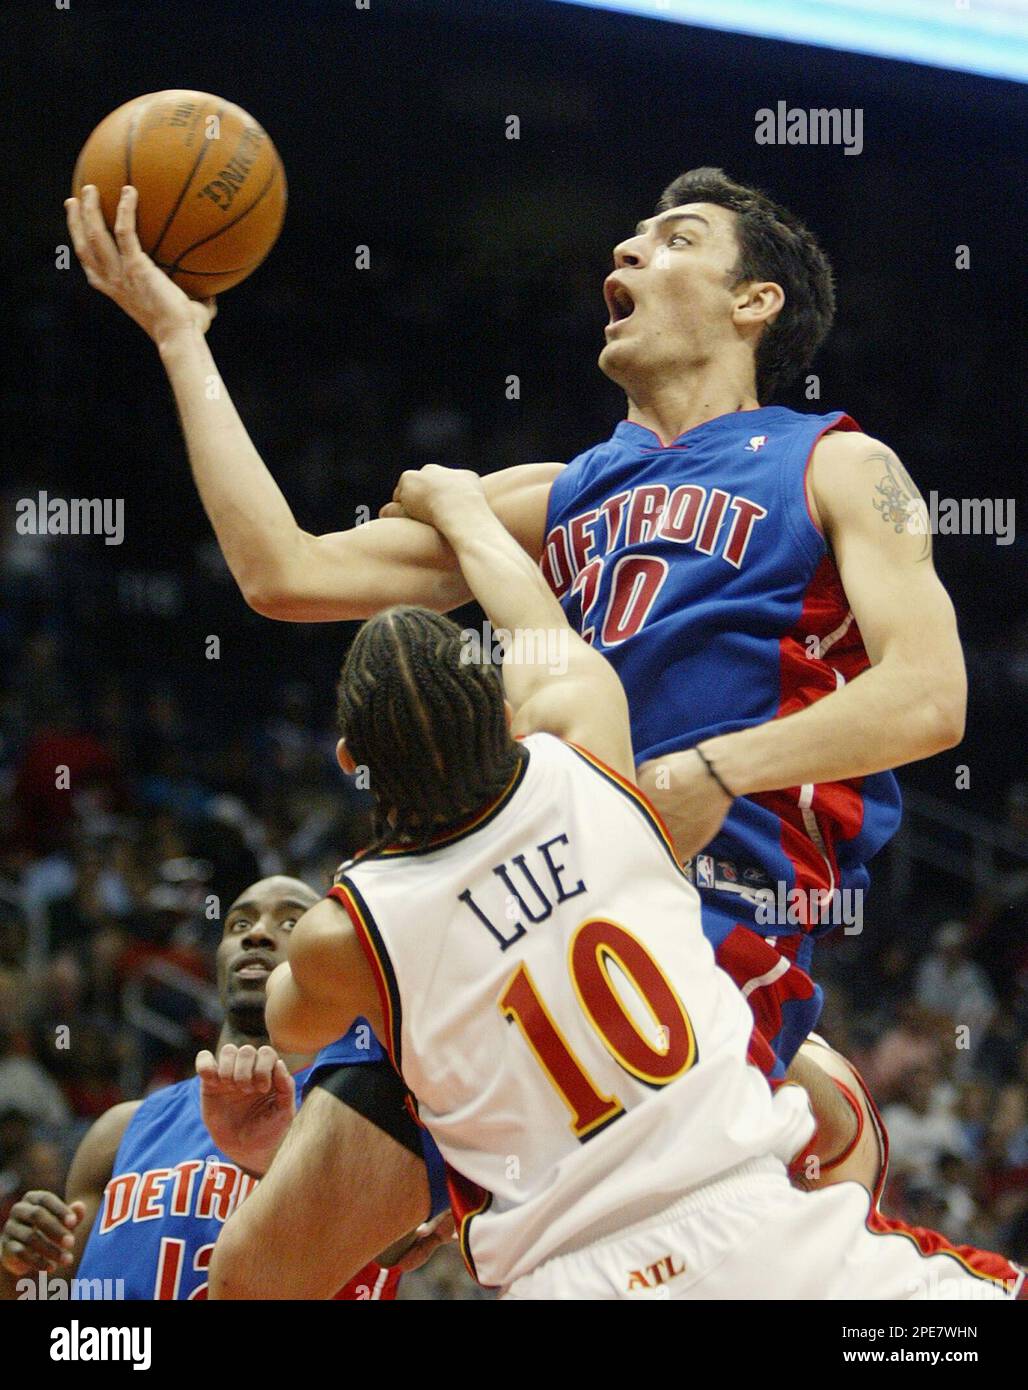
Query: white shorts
[752, 1235]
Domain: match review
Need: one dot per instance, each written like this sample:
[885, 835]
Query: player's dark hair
[427, 722]
[773, 245]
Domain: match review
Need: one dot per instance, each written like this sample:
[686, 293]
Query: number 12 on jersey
[595, 946]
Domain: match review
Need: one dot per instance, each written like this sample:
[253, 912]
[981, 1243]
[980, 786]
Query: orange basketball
[212, 190]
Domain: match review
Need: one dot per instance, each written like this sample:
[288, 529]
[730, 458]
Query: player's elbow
[280, 1022]
[946, 704]
[287, 1038]
[275, 585]
[272, 596]
[232, 1271]
[948, 715]
[262, 599]
[931, 692]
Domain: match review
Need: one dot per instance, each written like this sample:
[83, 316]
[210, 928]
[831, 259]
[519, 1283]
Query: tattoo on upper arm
[900, 504]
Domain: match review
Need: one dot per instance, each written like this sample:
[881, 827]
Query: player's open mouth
[619, 301]
[253, 968]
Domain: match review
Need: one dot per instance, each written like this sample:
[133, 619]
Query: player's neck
[239, 1034]
[670, 409]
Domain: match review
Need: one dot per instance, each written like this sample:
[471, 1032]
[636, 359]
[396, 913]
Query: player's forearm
[255, 527]
[502, 577]
[890, 715]
[515, 596]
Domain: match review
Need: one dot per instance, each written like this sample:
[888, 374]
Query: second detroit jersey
[696, 568]
[171, 1191]
[554, 1007]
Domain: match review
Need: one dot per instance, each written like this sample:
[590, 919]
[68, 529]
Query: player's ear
[344, 759]
[757, 302]
[508, 712]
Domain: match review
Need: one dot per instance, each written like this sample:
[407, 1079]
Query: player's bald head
[280, 888]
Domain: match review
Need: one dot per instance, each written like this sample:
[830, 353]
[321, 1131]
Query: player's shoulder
[572, 763]
[164, 1105]
[850, 446]
[93, 1164]
[844, 461]
[110, 1127]
[844, 465]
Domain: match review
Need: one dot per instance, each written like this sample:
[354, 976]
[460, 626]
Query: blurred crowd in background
[107, 937]
[196, 767]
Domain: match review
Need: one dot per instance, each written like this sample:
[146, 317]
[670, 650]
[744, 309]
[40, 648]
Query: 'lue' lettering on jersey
[506, 931]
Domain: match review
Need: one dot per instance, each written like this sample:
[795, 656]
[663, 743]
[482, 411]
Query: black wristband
[713, 772]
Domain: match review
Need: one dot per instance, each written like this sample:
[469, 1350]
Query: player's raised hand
[119, 268]
[247, 1099]
[434, 494]
[38, 1234]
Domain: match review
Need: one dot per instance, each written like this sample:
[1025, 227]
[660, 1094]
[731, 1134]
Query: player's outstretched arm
[556, 682]
[282, 571]
[47, 1235]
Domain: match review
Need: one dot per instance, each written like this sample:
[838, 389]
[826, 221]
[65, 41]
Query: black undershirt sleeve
[375, 1091]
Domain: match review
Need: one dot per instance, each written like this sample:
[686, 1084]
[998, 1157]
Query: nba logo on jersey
[704, 871]
[757, 442]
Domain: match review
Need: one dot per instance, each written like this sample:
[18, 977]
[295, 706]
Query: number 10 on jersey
[595, 946]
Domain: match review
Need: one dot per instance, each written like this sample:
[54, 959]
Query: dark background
[487, 258]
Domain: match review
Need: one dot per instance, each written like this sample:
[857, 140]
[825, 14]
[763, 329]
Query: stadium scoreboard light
[983, 36]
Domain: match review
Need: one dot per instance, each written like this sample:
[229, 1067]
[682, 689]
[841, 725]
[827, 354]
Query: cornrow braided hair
[427, 723]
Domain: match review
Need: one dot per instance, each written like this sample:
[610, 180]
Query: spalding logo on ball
[212, 190]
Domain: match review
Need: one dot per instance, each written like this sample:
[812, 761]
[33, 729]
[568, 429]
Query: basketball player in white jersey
[525, 943]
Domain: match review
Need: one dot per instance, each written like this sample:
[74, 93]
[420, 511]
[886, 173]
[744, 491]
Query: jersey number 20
[596, 944]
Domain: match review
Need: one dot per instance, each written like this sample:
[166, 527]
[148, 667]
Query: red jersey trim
[378, 959]
[467, 1200]
[639, 797]
[847, 425]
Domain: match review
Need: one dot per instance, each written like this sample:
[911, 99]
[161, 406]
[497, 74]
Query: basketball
[212, 190]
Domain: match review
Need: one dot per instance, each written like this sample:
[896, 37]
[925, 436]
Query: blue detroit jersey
[696, 568]
[172, 1189]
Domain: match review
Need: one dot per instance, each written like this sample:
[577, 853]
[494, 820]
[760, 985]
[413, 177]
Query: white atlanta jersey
[553, 1006]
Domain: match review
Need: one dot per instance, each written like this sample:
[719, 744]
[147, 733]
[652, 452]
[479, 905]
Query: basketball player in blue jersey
[149, 1188]
[761, 579]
